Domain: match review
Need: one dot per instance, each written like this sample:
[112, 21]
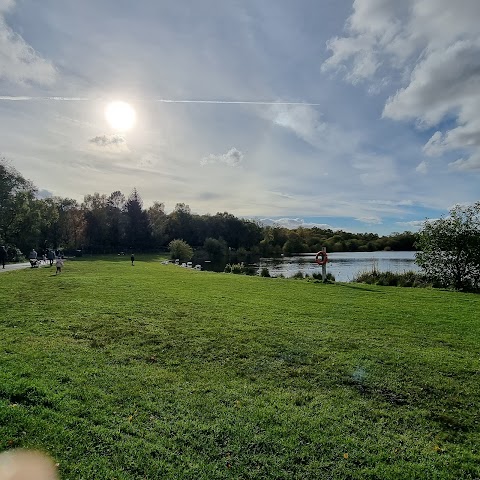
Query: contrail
[157, 100]
[57, 99]
[236, 102]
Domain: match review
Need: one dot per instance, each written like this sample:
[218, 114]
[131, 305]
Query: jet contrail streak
[57, 99]
[235, 102]
[157, 100]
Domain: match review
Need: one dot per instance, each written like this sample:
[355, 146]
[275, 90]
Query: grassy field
[159, 372]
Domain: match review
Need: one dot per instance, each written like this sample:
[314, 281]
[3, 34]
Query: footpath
[17, 266]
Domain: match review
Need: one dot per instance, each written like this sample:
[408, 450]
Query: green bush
[249, 270]
[237, 269]
[391, 279]
[329, 277]
[228, 268]
[180, 249]
[298, 275]
[265, 272]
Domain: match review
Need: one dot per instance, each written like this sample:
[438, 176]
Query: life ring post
[324, 266]
[322, 259]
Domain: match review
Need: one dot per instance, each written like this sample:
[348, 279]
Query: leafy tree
[158, 222]
[95, 209]
[180, 249]
[19, 213]
[216, 249]
[59, 222]
[450, 248]
[180, 224]
[294, 244]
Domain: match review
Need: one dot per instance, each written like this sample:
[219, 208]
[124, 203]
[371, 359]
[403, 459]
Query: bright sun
[120, 115]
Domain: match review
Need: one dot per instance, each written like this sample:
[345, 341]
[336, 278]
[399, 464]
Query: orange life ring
[324, 258]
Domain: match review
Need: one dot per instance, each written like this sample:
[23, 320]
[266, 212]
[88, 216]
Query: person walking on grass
[59, 264]
[132, 258]
[3, 255]
[51, 256]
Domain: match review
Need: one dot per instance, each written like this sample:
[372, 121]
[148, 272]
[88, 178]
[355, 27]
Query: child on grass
[59, 264]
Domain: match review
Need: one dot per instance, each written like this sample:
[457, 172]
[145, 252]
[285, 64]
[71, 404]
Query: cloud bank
[19, 62]
[292, 223]
[431, 50]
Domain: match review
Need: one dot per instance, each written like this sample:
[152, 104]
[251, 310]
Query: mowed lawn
[159, 372]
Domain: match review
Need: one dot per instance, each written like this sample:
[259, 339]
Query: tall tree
[59, 222]
[19, 213]
[116, 226]
[95, 209]
[180, 224]
[137, 225]
[158, 223]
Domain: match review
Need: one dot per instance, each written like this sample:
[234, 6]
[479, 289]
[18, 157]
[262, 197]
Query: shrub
[329, 277]
[298, 275]
[391, 279]
[237, 269]
[180, 249]
[249, 270]
[228, 268]
[265, 272]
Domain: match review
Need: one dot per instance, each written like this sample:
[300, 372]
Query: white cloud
[471, 163]
[413, 223]
[432, 47]
[375, 169]
[233, 158]
[417, 224]
[422, 167]
[373, 28]
[19, 62]
[435, 145]
[441, 83]
[372, 220]
[292, 223]
[6, 5]
[303, 120]
[110, 143]
[392, 203]
[306, 122]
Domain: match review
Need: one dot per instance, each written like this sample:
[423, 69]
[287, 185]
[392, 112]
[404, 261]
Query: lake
[343, 265]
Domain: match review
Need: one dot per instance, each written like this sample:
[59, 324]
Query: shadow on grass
[147, 257]
[361, 287]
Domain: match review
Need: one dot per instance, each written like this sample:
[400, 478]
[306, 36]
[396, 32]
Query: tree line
[111, 223]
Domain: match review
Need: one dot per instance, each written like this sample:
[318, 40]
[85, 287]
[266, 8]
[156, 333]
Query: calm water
[343, 265]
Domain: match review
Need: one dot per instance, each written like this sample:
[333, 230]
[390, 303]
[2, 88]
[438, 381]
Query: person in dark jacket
[132, 258]
[3, 255]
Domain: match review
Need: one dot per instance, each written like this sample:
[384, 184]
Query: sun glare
[120, 115]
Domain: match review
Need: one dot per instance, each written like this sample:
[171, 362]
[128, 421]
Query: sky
[361, 115]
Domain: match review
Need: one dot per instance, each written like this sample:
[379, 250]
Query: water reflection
[343, 265]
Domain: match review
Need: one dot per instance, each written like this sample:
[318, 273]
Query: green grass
[156, 372]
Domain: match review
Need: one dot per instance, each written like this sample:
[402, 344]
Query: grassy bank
[156, 371]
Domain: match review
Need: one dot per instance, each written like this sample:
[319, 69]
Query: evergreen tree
[137, 225]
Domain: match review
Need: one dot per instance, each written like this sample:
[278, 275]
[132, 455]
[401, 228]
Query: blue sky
[382, 129]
